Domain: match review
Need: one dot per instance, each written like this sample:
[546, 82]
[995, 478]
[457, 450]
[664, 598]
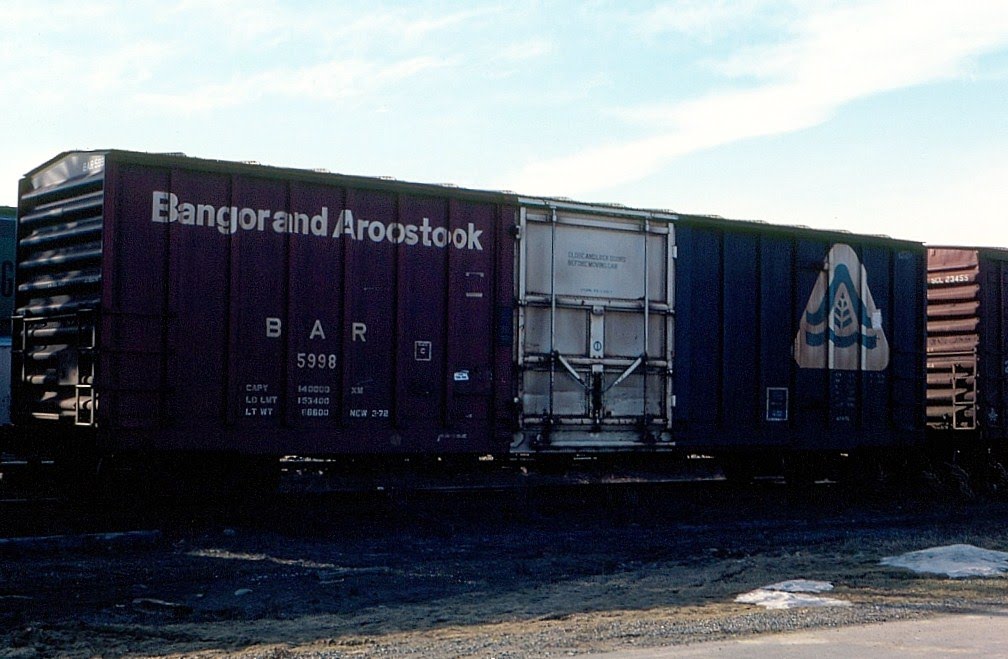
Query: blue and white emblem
[841, 328]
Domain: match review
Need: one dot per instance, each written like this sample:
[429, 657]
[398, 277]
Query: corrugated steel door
[59, 256]
[953, 338]
[596, 295]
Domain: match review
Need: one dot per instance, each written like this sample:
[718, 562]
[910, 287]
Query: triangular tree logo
[841, 328]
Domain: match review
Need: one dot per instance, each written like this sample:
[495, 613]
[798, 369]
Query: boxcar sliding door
[594, 346]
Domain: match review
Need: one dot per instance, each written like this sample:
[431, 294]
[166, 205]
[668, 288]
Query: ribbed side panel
[953, 337]
[59, 252]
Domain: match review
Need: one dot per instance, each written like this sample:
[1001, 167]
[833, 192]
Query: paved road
[984, 635]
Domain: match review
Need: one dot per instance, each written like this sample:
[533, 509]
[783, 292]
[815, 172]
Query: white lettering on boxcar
[167, 208]
[319, 360]
[258, 401]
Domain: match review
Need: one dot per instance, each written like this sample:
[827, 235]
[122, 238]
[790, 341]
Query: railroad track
[309, 500]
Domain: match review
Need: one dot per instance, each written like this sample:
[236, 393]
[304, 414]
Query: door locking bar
[625, 374]
[570, 369]
[577, 376]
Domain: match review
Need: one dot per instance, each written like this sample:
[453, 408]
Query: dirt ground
[450, 578]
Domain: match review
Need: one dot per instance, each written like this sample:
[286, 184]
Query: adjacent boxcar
[968, 343]
[797, 339]
[8, 216]
[175, 304]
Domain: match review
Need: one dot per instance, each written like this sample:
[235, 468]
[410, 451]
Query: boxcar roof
[490, 196]
[1000, 253]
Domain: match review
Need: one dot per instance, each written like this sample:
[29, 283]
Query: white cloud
[860, 49]
[27, 16]
[835, 56]
[526, 50]
[698, 17]
[126, 66]
[196, 56]
[336, 24]
[969, 208]
[328, 81]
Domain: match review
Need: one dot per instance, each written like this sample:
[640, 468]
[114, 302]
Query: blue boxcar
[798, 339]
[8, 215]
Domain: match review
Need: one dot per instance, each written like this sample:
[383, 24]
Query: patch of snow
[955, 561]
[791, 594]
[800, 586]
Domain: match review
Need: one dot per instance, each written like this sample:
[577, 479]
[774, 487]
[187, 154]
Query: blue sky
[875, 117]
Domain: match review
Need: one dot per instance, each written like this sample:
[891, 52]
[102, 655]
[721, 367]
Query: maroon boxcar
[968, 344]
[226, 307]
